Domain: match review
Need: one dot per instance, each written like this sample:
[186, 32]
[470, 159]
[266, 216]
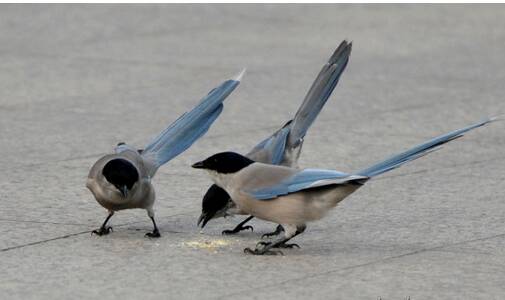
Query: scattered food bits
[207, 244]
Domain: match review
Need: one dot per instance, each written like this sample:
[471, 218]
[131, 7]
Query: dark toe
[288, 246]
[261, 252]
[102, 231]
[273, 252]
[247, 227]
[262, 244]
[154, 234]
[270, 234]
[236, 230]
[248, 251]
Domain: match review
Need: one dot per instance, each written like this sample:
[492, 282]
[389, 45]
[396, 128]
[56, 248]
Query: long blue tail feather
[319, 92]
[418, 151]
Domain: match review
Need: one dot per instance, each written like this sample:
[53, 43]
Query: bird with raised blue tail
[283, 147]
[293, 197]
[122, 180]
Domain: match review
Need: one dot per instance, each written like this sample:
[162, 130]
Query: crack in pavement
[83, 232]
[43, 241]
[42, 222]
[351, 267]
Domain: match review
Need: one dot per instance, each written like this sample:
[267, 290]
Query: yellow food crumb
[209, 245]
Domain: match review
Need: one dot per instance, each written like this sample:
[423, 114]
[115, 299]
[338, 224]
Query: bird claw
[154, 234]
[277, 231]
[262, 244]
[262, 252]
[287, 246]
[102, 231]
[263, 248]
[268, 235]
[236, 230]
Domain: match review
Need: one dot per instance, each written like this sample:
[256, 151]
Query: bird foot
[237, 229]
[102, 231]
[281, 245]
[287, 246]
[154, 234]
[262, 244]
[277, 231]
[262, 251]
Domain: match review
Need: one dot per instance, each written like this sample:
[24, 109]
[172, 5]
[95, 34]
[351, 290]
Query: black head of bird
[122, 174]
[214, 203]
[224, 163]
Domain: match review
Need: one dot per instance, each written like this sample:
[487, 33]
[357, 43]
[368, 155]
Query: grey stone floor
[75, 80]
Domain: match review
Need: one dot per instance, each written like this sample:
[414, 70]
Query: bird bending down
[292, 197]
[122, 180]
[283, 147]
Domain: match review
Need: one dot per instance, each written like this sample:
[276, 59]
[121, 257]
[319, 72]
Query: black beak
[199, 165]
[204, 218]
[124, 191]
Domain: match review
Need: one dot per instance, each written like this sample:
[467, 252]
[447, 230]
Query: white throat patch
[222, 180]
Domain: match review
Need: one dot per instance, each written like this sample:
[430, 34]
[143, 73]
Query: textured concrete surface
[75, 80]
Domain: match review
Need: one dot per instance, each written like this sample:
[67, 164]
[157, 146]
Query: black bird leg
[239, 227]
[155, 233]
[103, 230]
[299, 229]
[277, 231]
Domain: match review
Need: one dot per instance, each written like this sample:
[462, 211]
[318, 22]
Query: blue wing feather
[189, 127]
[297, 182]
[275, 145]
